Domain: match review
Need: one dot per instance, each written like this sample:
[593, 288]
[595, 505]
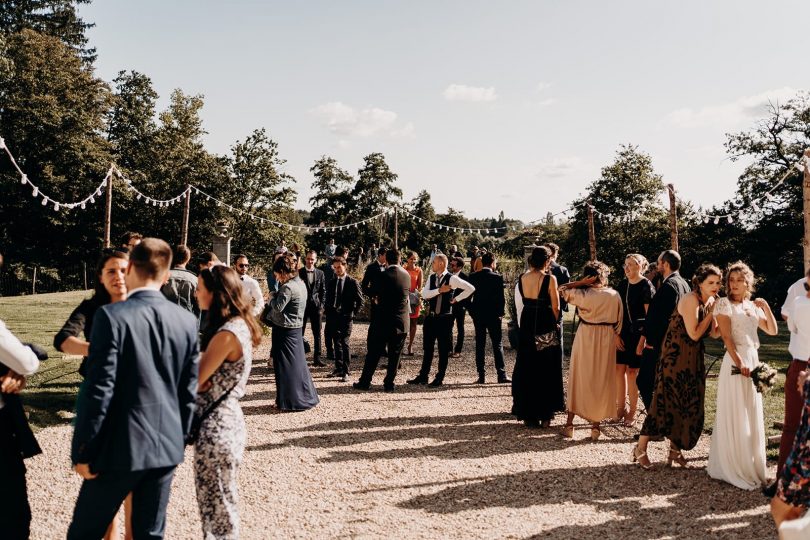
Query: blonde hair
[641, 260]
[747, 275]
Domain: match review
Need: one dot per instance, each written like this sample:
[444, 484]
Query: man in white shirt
[251, 286]
[796, 311]
[16, 440]
[438, 323]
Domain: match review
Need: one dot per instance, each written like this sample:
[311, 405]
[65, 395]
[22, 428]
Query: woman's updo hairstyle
[285, 265]
[596, 269]
[747, 275]
[641, 260]
[540, 257]
[704, 271]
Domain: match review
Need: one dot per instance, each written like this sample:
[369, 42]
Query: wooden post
[396, 227]
[591, 232]
[84, 272]
[806, 196]
[186, 212]
[108, 212]
[34, 282]
[673, 217]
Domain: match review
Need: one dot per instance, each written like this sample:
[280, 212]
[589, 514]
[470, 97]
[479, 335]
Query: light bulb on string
[716, 220]
[92, 200]
[56, 207]
[35, 192]
[84, 205]
[44, 201]
[755, 206]
[730, 219]
[24, 179]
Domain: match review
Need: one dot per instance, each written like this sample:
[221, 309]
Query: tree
[628, 214]
[57, 18]
[331, 203]
[414, 234]
[374, 191]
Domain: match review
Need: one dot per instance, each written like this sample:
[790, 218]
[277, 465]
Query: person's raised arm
[280, 300]
[427, 292]
[518, 302]
[688, 308]
[767, 320]
[14, 355]
[466, 287]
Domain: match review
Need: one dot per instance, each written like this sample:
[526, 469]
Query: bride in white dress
[737, 453]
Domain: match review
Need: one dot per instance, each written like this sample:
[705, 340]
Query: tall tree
[57, 18]
[331, 203]
[415, 234]
[374, 191]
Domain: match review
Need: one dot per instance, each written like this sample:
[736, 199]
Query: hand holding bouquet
[763, 376]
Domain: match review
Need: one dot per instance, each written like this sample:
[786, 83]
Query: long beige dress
[592, 375]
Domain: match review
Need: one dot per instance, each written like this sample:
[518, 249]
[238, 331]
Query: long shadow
[398, 421]
[44, 406]
[691, 497]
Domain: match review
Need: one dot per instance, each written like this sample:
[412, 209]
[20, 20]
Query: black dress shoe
[389, 388]
[504, 379]
[534, 424]
[335, 373]
[436, 383]
[417, 380]
[770, 490]
[358, 386]
[481, 380]
[317, 363]
[344, 378]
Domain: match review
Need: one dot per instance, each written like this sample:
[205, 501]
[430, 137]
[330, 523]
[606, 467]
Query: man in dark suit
[459, 308]
[487, 310]
[315, 282]
[137, 409]
[563, 276]
[328, 275]
[373, 271]
[343, 299]
[391, 321]
[662, 305]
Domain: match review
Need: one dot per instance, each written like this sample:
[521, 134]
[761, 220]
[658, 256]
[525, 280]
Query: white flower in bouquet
[763, 376]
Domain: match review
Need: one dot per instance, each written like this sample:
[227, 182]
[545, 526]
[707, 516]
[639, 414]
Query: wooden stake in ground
[806, 193]
[591, 232]
[108, 212]
[186, 211]
[673, 217]
[396, 228]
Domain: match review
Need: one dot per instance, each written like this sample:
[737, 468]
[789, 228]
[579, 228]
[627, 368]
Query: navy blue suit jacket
[139, 396]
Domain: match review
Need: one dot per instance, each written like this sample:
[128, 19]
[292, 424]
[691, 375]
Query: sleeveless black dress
[537, 381]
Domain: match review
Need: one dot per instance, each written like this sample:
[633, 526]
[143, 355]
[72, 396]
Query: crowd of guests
[159, 375]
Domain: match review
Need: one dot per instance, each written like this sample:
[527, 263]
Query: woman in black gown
[537, 382]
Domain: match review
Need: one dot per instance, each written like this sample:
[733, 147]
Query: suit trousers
[437, 329]
[327, 337]
[15, 513]
[340, 330]
[645, 380]
[459, 314]
[794, 404]
[99, 500]
[493, 327]
[378, 343]
[313, 314]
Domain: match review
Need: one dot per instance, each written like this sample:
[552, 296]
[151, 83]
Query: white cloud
[543, 86]
[559, 167]
[344, 120]
[462, 92]
[727, 114]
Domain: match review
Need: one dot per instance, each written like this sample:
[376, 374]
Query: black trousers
[327, 337]
[378, 343]
[493, 327]
[99, 500]
[15, 513]
[313, 315]
[340, 330]
[459, 314]
[646, 375]
[436, 329]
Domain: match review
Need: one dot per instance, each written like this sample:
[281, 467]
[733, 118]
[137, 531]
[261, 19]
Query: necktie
[439, 299]
[339, 291]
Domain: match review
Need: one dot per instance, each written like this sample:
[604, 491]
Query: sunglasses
[806, 286]
[243, 265]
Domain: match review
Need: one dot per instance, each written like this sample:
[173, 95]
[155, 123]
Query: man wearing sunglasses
[251, 286]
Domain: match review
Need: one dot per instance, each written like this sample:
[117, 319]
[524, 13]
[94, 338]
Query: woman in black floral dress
[680, 383]
[227, 345]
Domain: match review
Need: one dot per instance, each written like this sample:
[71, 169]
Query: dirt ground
[431, 463]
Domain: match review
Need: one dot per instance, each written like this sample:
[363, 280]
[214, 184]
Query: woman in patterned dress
[227, 345]
[680, 382]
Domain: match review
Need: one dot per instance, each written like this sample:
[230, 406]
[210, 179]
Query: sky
[489, 106]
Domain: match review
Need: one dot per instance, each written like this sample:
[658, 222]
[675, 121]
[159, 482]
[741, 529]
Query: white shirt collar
[137, 289]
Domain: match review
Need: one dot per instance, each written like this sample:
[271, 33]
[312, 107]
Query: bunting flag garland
[700, 215]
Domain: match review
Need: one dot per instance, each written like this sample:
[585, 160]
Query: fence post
[84, 272]
[34, 282]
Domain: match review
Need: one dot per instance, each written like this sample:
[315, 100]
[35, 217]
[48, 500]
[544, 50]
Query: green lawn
[51, 392]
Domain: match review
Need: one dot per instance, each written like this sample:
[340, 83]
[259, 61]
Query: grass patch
[51, 392]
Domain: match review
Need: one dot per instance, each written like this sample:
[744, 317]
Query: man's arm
[94, 403]
[358, 297]
[15, 355]
[187, 385]
[466, 287]
[658, 314]
[500, 300]
[427, 292]
[321, 289]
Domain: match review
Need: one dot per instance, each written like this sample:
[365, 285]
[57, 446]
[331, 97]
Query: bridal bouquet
[763, 376]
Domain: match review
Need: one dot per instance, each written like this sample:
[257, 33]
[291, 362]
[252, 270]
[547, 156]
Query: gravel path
[431, 463]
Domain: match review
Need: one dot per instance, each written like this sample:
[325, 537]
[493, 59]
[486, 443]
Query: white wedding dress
[737, 453]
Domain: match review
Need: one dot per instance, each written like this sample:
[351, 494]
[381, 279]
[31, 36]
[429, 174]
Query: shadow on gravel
[692, 498]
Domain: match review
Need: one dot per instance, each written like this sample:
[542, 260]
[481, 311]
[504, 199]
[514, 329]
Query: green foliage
[374, 190]
[56, 18]
[331, 203]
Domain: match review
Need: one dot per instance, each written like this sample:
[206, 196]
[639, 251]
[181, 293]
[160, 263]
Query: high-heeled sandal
[676, 456]
[568, 431]
[629, 418]
[642, 459]
[595, 433]
[620, 412]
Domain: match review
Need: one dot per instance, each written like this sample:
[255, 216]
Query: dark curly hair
[596, 269]
[704, 271]
[746, 273]
[286, 264]
[228, 300]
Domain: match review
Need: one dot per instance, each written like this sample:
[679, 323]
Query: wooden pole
[84, 272]
[806, 197]
[591, 232]
[396, 228]
[34, 282]
[108, 212]
[186, 212]
[673, 217]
